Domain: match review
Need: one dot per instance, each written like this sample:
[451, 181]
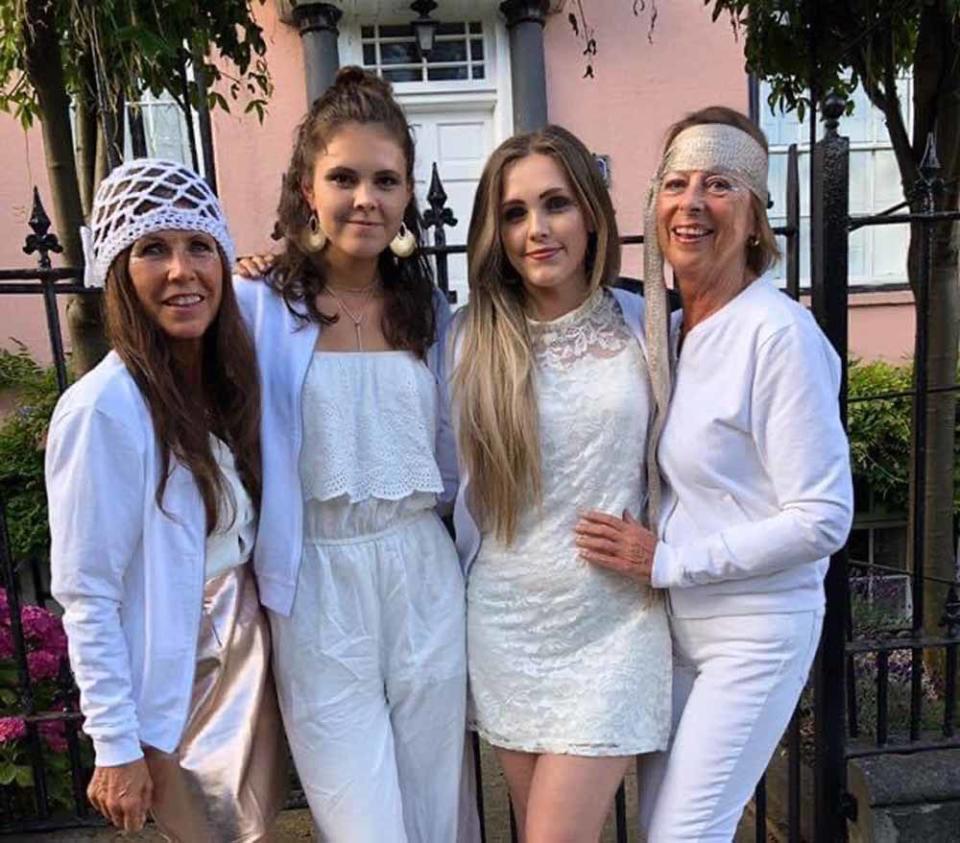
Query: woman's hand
[617, 544]
[123, 794]
[255, 266]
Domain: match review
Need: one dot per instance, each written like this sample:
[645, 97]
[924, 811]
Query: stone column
[528, 78]
[318, 30]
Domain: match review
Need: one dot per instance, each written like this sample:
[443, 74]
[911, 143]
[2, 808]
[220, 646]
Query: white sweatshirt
[756, 462]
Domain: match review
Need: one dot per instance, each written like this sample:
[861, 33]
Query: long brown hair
[494, 379]
[180, 420]
[356, 96]
[765, 252]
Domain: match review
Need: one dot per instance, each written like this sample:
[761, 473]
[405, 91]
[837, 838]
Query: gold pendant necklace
[355, 318]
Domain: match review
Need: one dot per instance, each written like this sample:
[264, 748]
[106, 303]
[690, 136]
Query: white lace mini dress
[565, 657]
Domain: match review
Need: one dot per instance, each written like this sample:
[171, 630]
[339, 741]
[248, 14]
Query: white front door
[458, 137]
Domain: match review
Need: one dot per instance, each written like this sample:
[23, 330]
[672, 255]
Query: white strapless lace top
[565, 657]
[369, 427]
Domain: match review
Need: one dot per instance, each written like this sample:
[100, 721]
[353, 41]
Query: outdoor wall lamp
[424, 26]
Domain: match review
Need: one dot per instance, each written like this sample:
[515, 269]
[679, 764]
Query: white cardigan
[756, 462]
[129, 576]
[285, 347]
[464, 522]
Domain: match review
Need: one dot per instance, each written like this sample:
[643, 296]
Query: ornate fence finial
[930, 165]
[438, 214]
[42, 240]
[833, 107]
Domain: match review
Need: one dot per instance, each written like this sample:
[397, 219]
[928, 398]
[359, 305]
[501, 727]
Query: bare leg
[569, 797]
[518, 769]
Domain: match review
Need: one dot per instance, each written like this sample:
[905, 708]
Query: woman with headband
[153, 482]
[757, 478]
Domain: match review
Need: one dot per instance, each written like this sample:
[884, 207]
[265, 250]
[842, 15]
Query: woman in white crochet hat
[757, 471]
[153, 481]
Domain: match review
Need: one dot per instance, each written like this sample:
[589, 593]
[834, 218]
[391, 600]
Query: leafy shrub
[880, 433]
[22, 436]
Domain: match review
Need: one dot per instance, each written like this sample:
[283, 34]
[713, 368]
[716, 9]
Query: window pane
[476, 49]
[439, 74]
[404, 52]
[366, 32]
[478, 72]
[370, 55]
[448, 51]
[476, 26]
[403, 74]
[451, 29]
[397, 31]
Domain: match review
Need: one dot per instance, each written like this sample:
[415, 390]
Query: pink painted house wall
[640, 87]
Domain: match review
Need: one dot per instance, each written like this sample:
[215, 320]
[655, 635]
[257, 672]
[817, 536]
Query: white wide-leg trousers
[370, 672]
[736, 682]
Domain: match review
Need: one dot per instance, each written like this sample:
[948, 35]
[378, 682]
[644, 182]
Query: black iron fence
[825, 732]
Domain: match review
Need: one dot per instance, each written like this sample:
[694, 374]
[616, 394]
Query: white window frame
[493, 91]
[784, 129]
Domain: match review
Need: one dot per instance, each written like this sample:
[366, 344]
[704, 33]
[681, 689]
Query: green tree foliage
[137, 46]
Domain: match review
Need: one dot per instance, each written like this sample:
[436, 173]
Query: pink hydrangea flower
[42, 665]
[54, 734]
[6, 643]
[12, 729]
[39, 624]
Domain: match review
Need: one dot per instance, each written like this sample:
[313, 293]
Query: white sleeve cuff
[665, 572]
[117, 750]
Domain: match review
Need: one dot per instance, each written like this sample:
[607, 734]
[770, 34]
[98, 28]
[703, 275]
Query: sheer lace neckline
[594, 329]
[572, 317]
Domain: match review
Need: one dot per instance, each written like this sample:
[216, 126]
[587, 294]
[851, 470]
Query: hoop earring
[753, 241]
[314, 238]
[404, 243]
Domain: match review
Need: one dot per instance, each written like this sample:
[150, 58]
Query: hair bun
[351, 75]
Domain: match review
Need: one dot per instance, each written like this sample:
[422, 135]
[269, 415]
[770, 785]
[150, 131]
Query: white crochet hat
[144, 196]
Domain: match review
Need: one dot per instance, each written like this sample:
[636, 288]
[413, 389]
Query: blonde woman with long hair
[569, 664]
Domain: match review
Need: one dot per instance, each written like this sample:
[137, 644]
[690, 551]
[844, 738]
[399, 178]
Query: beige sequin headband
[714, 148]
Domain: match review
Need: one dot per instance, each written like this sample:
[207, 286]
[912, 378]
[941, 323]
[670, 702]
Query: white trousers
[370, 673]
[736, 682]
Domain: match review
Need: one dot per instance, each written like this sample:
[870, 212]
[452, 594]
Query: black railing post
[829, 219]
[926, 188]
[951, 622]
[437, 216]
[43, 242]
[793, 222]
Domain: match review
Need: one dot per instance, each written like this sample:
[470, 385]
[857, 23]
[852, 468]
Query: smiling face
[542, 227]
[704, 221]
[178, 278]
[359, 190]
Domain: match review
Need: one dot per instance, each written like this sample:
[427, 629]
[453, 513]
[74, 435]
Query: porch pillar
[528, 78]
[318, 30]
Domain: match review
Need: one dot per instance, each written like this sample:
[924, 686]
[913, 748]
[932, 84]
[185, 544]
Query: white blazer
[129, 575]
[285, 347]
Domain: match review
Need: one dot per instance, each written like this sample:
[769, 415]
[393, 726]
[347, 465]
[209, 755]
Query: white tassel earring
[404, 243]
[313, 238]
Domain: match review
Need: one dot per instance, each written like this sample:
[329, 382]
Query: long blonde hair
[493, 384]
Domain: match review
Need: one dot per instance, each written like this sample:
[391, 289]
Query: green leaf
[8, 772]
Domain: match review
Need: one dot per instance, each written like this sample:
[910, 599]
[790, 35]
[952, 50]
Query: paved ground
[296, 827]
